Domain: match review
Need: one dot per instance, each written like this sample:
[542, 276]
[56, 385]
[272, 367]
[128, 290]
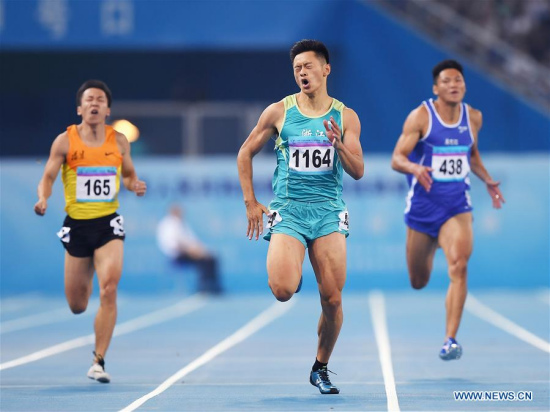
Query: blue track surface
[267, 370]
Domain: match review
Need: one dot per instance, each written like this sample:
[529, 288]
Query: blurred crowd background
[525, 25]
[507, 38]
[192, 77]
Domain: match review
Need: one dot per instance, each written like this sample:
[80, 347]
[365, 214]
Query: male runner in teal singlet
[317, 140]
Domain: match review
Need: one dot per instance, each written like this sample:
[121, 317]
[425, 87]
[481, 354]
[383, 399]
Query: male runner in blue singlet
[317, 139]
[437, 149]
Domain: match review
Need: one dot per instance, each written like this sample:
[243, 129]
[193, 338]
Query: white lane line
[19, 302]
[44, 318]
[182, 308]
[378, 314]
[486, 313]
[263, 319]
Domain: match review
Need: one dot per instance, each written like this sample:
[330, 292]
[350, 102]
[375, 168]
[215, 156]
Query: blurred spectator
[178, 241]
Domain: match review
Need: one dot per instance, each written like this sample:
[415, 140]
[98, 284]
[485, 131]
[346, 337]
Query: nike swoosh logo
[109, 153]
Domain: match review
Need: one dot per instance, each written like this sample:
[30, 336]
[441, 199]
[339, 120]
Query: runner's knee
[77, 306]
[419, 278]
[458, 269]
[419, 282]
[281, 292]
[331, 304]
[108, 292]
[77, 298]
[419, 275]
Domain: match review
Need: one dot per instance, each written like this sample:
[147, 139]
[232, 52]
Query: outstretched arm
[476, 164]
[262, 132]
[58, 153]
[129, 176]
[413, 129]
[349, 150]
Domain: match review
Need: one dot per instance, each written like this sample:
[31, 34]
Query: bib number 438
[450, 168]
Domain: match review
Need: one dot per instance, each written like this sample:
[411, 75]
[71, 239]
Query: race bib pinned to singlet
[117, 224]
[344, 221]
[310, 154]
[96, 184]
[273, 217]
[64, 234]
[450, 164]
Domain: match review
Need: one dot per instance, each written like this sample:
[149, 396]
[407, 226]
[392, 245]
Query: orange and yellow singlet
[91, 176]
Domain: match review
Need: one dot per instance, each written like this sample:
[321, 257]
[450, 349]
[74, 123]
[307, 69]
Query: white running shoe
[97, 373]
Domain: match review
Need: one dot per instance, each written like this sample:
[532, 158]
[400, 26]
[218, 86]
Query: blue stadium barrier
[511, 245]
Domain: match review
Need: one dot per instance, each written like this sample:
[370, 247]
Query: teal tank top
[308, 167]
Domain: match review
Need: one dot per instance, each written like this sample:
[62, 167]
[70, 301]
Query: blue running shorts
[428, 215]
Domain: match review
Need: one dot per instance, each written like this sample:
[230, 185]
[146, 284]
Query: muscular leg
[328, 258]
[108, 264]
[284, 265]
[420, 255]
[456, 239]
[79, 273]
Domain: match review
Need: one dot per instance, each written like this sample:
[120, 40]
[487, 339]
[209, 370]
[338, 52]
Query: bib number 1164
[311, 159]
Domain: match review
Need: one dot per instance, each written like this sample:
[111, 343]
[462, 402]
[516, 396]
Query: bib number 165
[96, 184]
[97, 188]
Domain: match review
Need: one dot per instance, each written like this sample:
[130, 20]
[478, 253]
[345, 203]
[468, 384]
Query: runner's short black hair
[445, 64]
[93, 84]
[309, 45]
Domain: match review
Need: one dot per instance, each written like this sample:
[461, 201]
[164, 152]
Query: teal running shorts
[307, 221]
